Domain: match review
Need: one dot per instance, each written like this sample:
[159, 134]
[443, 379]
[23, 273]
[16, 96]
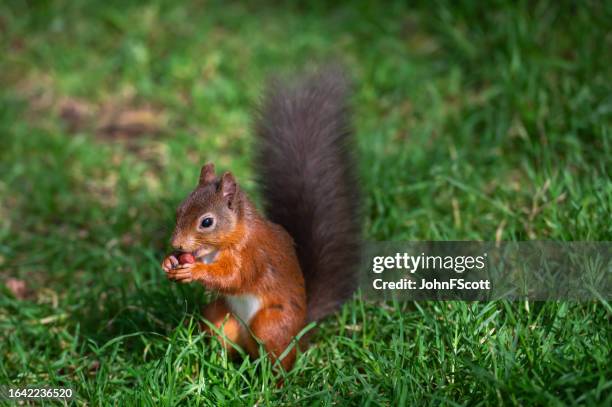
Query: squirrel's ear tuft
[207, 174]
[229, 188]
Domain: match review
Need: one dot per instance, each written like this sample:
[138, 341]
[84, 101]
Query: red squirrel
[275, 274]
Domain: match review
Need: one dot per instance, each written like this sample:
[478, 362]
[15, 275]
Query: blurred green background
[474, 122]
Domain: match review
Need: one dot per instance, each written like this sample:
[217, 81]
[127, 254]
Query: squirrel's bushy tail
[305, 168]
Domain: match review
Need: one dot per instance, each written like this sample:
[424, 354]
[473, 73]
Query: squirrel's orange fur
[253, 257]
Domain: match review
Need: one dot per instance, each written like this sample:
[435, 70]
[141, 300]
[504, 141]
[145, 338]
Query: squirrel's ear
[207, 174]
[229, 188]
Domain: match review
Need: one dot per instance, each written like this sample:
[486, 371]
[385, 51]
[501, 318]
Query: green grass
[473, 123]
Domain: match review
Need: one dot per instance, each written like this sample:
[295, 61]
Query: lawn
[473, 123]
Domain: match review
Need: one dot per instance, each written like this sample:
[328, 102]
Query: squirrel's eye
[206, 223]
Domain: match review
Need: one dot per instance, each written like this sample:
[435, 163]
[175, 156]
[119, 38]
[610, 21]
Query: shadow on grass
[98, 241]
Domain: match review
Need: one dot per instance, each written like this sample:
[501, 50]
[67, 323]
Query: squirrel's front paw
[181, 273]
[169, 263]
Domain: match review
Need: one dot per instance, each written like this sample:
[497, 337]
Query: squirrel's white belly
[243, 306]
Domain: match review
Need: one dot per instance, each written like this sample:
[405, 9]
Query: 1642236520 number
[34, 393]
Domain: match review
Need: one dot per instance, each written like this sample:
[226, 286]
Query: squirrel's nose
[177, 244]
